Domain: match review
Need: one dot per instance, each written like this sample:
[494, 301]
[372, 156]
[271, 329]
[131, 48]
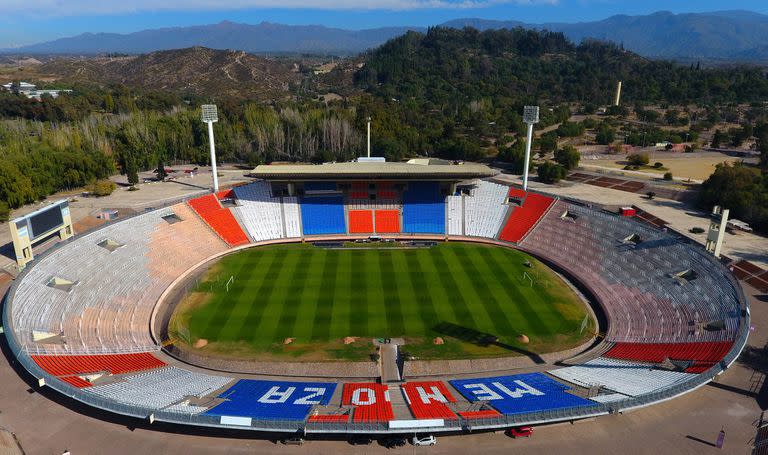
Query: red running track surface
[387, 221]
[360, 221]
[219, 219]
[371, 402]
[427, 400]
[524, 217]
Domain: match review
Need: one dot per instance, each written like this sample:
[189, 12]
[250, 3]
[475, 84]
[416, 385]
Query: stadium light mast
[369, 137]
[211, 115]
[530, 117]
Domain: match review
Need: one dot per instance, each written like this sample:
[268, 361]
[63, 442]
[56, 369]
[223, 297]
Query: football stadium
[374, 298]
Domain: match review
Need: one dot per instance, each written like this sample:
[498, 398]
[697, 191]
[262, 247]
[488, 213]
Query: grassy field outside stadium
[249, 302]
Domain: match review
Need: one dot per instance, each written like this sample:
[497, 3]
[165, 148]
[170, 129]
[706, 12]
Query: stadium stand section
[626, 378]
[519, 393]
[633, 269]
[484, 211]
[701, 356]
[107, 308]
[387, 221]
[272, 399]
[371, 402]
[360, 221]
[525, 216]
[292, 217]
[423, 209]
[260, 213]
[427, 400]
[323, 215]
[455, 214]
[68, 365]
[219, 219]
[159, 389]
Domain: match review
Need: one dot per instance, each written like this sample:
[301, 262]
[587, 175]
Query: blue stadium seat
[272, 399]
[520, 393]
[320, 186]
[323, 215]
[423, 208]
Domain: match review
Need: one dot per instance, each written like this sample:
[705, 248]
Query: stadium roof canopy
[426, 169]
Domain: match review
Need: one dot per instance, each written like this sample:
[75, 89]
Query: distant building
[31, 91]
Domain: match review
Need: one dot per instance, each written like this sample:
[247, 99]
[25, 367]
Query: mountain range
[727, 35]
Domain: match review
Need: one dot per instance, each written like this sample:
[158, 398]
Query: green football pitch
[248, 303]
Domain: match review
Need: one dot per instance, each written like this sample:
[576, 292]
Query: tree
[638, 159]
[514, 155]
[160, 171]
[550, 172]
[718, 138]
[131, 171]
[570, 129]
[568, 157]
[605, 135]
[5, 211]
[548, 142]
[742, 189]
[667, 176]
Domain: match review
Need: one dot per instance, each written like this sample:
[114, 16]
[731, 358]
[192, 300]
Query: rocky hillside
[196, 70]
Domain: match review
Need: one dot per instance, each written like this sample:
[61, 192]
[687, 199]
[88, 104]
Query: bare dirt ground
[694, 166]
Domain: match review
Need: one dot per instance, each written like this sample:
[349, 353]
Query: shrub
[696, 230]
[658, 165]
[668, 176]
[638, 159]
[650, 194]
[101, 188]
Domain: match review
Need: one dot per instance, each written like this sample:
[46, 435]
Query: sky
[32, 21]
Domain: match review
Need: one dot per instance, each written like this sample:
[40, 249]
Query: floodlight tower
[369, 137]
[211, 115]
[530, 117]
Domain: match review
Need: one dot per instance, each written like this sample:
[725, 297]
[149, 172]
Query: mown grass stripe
[228, 309]
[297, 283]
[307, 306]
[448, 264]
[391, 291]
[259, 299]
[492, 305]
[321, 325]
[531, 313]
[359, 293]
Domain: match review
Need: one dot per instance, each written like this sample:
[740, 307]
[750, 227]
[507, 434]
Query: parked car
[424, 440]
[360, 440]
[294, 441]
[520, 432]
[393, 441]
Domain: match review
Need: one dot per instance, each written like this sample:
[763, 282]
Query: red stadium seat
[479, 414]
[703, 355]
[427, 400]
[219, 219]
[387, 221]
[371, 402]
[360, 221]
[71, 365]
[226, 194]
[524, 218]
